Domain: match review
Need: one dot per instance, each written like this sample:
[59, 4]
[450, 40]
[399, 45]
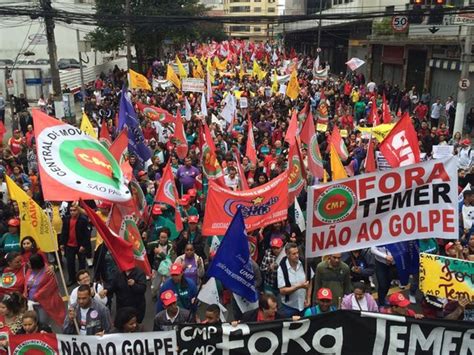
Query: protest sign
[445, 277]
[382, 163]
[378, 132]
[339, 332]
[441, 151]
[158, 343]
[192, 85]
[261, 205]
[321, 127]
[244, 103]
[413, 202]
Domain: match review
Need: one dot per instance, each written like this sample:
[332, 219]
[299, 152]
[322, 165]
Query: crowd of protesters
[289, 286]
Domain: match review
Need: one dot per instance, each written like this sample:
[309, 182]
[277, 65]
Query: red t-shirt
[72, 241]
[260, 317]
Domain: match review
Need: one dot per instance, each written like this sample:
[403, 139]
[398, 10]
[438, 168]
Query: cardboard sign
[193, 85]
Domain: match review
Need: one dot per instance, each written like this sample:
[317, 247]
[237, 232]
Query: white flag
[209, 85]
[354, 63]
[274, 57]
[210, 295]
[203, 105]
[299, 216]
[215, 242]
[187, 107]
[228, 112]
[316, 65]
[243, 304]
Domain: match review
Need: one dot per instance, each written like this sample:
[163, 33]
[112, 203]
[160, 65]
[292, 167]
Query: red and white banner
[159, 343]
[412, 202]
[261, 205]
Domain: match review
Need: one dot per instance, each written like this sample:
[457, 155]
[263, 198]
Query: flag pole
[61, 273]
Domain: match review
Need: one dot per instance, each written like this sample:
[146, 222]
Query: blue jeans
[382, 272]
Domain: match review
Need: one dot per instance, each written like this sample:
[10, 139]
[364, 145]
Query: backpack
[284, 270]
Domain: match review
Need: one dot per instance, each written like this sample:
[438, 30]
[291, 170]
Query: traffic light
[436, 14]
[416, 13]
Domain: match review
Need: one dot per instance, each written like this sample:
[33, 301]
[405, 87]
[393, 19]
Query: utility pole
[466, 59]
[53, 57]
[320, 23]
[128, 34]
[83, 88]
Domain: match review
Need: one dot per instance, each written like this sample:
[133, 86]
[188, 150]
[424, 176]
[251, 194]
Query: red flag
[373, 117]
[261, 206]
[47, 295]
[167, 193]
[155, 113]
[386, 114]
[119, 147]
[120, 249]
[400, 146]
[104, 134]
[370, 159]
[73, 165]
[122, 223]
[210, 165]
[310, 138]
[251, 152]
[180, 137]
[296, 173]
[2, 132]
[290, 136]
[243, 180]
[339, 144]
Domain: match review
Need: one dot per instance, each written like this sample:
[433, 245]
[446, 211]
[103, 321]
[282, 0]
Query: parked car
[68, 63]
[42, 61]
[6, 62]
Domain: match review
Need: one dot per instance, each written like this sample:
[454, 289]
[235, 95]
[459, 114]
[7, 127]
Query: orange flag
[180, 137]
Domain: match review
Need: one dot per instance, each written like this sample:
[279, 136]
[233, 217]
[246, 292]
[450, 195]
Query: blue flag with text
[232, 264]
[128, 117]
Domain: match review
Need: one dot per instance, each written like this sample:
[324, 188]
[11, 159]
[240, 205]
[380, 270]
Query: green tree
[148, 36]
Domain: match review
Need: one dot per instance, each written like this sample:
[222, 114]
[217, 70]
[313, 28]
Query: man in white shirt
[231, 179]
[294, 283]
[83, 278]
[435, 114]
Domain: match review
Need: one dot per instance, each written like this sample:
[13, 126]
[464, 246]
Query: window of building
[239, 9]
[257, 9]
[389, 10]
[257, 0]
[239, 1]
[257, 29]
[271, 9]
[240, 28]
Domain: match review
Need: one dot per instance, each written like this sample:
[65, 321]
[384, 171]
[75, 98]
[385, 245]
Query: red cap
[324, 294]
[14, 222]
[466, 141]
[184, 201]
[276, 243]
[156, 210]
[176, 269]
[142, 173]
[168, 297]
[193, 219]
[192, 192]
[104, 205]
[397, 299]
[448, 246]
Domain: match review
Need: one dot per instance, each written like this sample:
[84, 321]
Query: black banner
[340, 332]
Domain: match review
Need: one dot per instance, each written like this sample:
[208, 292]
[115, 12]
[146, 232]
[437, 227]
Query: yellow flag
[86, 126]
[198, 72]
[275, 83]
[138, 81]
[222, 65]
[337, 169]
[293, 88]
[209, 69]
[33, 220]
[256, 69]
[241, 70]
[216, 62]
[181, 71]
[262, 74]
[171, 76]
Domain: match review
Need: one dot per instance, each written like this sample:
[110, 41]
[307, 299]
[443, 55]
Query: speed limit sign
[399, 23]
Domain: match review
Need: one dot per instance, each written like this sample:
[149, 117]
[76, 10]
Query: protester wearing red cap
[11, 239]
[191, 234]
[324, 299]
[182, 286]
[269, 266]
[172, 316]
[399, 306]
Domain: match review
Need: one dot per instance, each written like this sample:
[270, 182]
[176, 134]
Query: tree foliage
[148, 37]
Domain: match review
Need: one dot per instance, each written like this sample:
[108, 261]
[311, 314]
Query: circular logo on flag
[131, 234]
[33, 346]
[169, 190]
[313, 146]
[295, 179]
[73, 159]
[153, 114]
[335, 204]
[7, 280]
